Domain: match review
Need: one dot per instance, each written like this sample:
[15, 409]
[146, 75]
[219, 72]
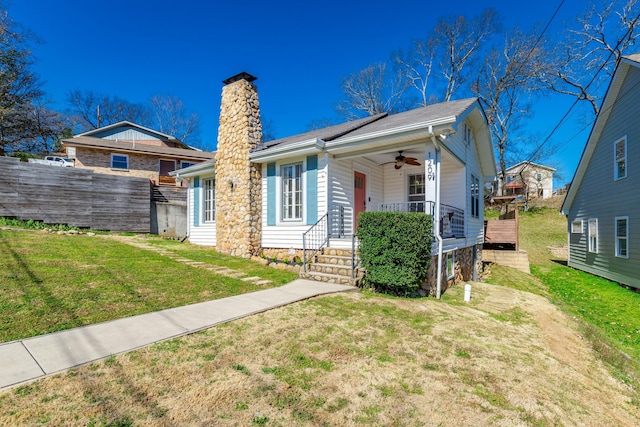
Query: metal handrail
[317, 237]
[355, 259]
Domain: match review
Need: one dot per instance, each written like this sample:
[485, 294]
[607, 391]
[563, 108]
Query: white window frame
[621, 239]
[288, 211]
[577, 227]
[413, 194]
[592, 234]
[209, 199]
[450, 265]
[618, 160]
[126, 156]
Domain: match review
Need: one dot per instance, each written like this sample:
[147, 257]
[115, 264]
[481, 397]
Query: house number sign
[430, 170]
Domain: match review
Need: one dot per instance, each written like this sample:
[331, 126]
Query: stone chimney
[238, 182]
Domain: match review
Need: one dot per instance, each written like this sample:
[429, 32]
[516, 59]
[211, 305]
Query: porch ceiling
[388, 153]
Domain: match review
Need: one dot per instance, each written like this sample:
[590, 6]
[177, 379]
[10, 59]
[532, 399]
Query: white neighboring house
[528, 178]
[434, 159]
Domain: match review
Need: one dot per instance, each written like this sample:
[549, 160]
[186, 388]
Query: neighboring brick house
[128, 149]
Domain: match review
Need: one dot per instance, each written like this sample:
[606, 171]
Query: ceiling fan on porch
[401, 160]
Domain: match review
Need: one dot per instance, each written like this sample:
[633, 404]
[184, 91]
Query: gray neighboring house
[603, 204]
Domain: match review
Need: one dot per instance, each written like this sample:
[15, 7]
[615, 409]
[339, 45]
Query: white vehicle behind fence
[54, 161]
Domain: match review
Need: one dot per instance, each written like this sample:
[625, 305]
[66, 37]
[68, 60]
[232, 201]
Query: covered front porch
[414, 178]
[391, 179]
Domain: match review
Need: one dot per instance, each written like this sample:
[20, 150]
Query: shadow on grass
[39, 288]
[560, 261]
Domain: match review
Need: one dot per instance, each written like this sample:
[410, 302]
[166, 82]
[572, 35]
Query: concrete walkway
[32, 358]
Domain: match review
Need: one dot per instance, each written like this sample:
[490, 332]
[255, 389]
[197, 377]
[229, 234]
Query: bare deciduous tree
[459, 42]
[24, 119]
[603, 34]
[171, 117]
[91, 110]
[371, 91]
[416, 66]
[509, 76]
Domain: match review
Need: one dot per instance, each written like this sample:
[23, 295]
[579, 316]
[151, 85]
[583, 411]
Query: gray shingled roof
[106, 144]
[430, 113]
[380, 122]
[326, 134]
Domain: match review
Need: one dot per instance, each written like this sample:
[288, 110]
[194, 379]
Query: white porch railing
[451, 218]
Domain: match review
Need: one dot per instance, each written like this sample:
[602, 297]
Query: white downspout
[436, 214]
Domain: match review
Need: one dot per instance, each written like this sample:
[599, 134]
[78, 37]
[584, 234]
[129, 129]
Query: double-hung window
[119, 161]
[292, 192]
[416, 193]
[622, 236]
[593, 235]
[620, 153]
[209, 200]
[475, 196]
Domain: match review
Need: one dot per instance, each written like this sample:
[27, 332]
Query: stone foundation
[463, 269]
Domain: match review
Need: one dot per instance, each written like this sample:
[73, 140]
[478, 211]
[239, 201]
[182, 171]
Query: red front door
[359, 196]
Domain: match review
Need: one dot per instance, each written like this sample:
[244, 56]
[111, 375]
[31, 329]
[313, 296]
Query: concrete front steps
[332, 265]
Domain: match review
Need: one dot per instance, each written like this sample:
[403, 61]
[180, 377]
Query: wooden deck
[501, 234]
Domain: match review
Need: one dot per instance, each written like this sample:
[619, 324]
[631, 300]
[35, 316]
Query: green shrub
[395, 249]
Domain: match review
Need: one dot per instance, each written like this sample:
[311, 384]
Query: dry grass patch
[505, 359]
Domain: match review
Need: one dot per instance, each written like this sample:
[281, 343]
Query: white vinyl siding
[593, 235]
[620, 156]
[622, 236]
[205, 232]
[209, 200]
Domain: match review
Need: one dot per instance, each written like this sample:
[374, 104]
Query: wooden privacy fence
[76, 197]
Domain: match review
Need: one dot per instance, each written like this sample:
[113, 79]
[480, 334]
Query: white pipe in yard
[467, 292]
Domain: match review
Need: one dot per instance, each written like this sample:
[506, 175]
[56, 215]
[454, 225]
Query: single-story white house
[306, 191]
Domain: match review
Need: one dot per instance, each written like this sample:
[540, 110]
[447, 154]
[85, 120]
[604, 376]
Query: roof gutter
[309, 146]
[393, 131]
[436, 220]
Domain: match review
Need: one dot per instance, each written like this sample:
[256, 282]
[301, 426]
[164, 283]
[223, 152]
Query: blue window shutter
[312, 189]
[271, 194]
[196, 201]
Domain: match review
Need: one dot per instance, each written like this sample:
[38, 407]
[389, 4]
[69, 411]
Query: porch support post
[432, 160]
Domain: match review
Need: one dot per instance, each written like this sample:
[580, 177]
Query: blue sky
[298, 50]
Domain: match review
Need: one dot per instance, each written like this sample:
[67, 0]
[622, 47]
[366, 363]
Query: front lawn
[51, 282]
